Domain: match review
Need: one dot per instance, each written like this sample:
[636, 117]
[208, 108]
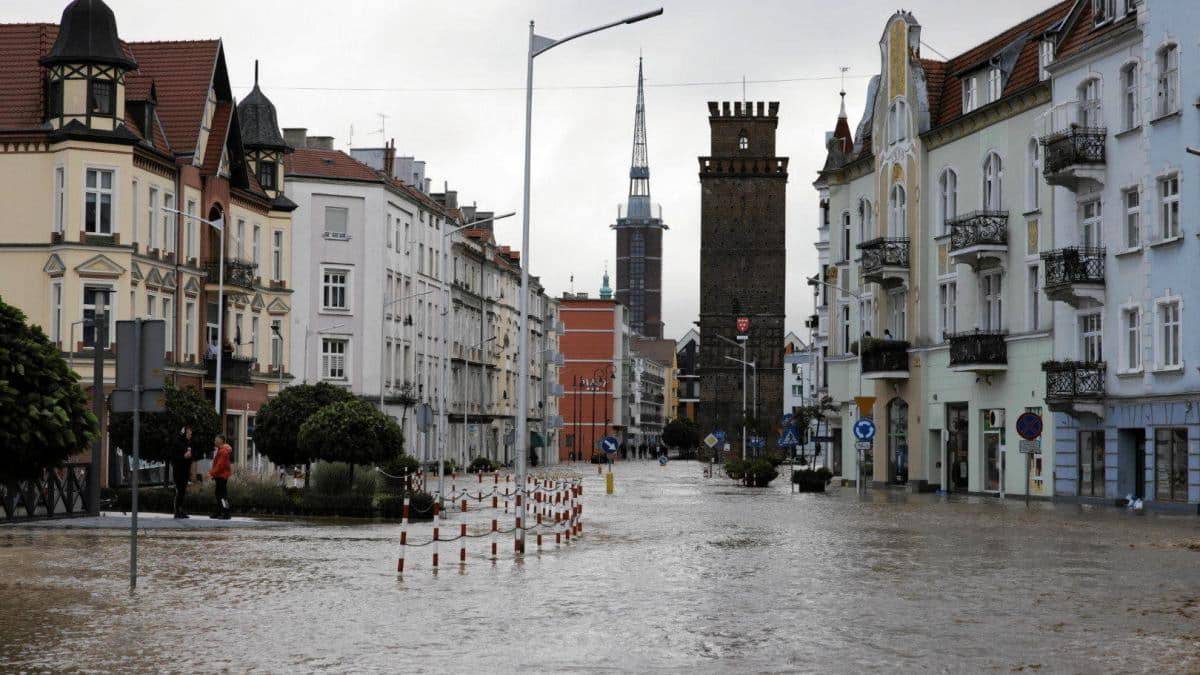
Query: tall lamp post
[219, 225]
[741, 344]
[444, 414]
[754, 368]
[537, 45]
[814, 281]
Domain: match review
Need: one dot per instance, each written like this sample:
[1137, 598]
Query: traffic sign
[864, 430]
[787, 419]
[711, 440]
[743, 324]
[757, 442]
[719, 434]
[609, 444]
[788, 438]
[863, 445]
[662, 460]
[1033, 447]
[1029, 425]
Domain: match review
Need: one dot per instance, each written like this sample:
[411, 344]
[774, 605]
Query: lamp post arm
[548, 43]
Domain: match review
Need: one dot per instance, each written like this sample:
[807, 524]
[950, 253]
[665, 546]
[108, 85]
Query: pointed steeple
[841, 132]
[606, 290]
[638, 207]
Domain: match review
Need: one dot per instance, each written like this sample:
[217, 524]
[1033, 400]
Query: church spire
[639, 171]
[606, 290]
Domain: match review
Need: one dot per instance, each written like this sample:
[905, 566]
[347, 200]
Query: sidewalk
[115, 520]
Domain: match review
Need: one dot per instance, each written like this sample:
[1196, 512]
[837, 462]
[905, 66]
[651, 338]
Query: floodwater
[674, 573]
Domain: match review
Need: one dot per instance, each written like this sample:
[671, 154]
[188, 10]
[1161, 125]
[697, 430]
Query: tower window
[102, 97]
[743, 141]
[266, 174]
[54, 99]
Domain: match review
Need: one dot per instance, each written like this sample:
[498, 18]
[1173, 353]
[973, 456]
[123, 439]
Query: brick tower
[639, 238]
[743, 266]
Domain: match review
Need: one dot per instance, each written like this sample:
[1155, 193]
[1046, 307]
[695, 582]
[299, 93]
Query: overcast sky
[454, 71]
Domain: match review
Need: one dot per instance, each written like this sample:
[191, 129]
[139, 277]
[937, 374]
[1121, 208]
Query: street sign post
[141, 346]
[863, 445]
[609, 444]
[711, 440]
[1031, 447]
[1029, 428]
[864, 430]
[788, 438]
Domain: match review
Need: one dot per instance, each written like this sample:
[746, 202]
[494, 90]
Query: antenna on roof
[256, 72]
[382, 125]
[844, 69]
[744, 87]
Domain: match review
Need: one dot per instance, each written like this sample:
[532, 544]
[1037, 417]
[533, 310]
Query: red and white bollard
[403, 537]
[435, 535]
[462, 545]
[495, 533]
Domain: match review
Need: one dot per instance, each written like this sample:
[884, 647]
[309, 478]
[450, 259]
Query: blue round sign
[609, 444]
[662, 460]
[1029, 425]
[864, 430]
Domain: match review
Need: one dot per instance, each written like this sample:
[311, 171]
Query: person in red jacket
[222, 469]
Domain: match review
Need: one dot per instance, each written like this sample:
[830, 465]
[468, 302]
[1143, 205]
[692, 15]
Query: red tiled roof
[137, 87]
[216, 138]
[948, 105]
[182, 72]
[21, 45]
[328, 164]
[1083, 32]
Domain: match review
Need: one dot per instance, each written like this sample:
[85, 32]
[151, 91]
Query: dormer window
[101, 97]
[968, 94]
[1045, 58]
[1103, 10]
[266, 174]
[994, 84]
[743, 141]
[54, 99]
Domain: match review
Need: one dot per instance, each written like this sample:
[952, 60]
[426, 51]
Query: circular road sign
[1029, 425]
[864, 430]
[609, 444]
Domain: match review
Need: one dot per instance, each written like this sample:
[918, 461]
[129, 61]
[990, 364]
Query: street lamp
[309, 333]
[742, 344]
[444, 414]
[219, 225]
[813, 281]
[537, 45]
[753, 367]
[383, 336]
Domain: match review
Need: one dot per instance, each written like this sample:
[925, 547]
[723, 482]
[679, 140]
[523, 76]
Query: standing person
[222, 469]
[181, 467]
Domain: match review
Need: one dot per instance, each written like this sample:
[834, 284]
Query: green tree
[44, 417]
[681, 434]
[354, 432]
[161, 432]
[277, 425]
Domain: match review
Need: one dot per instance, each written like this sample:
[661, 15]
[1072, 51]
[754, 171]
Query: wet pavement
[674, 573]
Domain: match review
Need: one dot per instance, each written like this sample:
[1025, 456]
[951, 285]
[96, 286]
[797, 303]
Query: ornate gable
[54, 266]
[154, 278]
[192, 287]
[278, 306]
[135, 272]
[100, 266]
[257, 304]
[168, 281]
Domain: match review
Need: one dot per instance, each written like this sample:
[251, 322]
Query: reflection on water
[673, 572]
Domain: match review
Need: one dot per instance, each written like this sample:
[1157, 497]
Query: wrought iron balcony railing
[1072, 380]
[884, 356]
[884, 252]
[1071, 146]
[979, 228]
[237, 272]
[1073, 265]
[234, 369]
[978, 347]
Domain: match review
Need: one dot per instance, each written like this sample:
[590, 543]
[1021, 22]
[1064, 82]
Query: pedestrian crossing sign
[788, 438]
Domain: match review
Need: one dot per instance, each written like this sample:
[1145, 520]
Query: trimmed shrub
[313, 503]
[812, 480]
[482, 465]
[420, 506]
[735, 468]
[759, 472]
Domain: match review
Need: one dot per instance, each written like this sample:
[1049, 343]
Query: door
[993, 460]
[1139, 463]
[958, 433]
[898, 442]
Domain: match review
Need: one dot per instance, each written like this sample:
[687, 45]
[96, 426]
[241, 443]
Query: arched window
[897, 121]
[948, 202]
[897, 227]
[1130, 115]
[743, 141]
[1034, 178]
[993, 178]
[1168, 80]
[1089, 104]
[865, 229]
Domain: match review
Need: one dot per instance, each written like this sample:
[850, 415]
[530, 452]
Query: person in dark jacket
[181, 468]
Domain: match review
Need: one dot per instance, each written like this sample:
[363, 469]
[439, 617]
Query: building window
[1035, 295]
[98, 199]
[1032, 243]
[1091, 337]
[239, 239]
[947, 308]
[1103, 10]
[1133, 217]
[56, 310]
[992, 286]
[1091, 463]
[254, 343]
[168, 316]
[1169, 331]
[968, 94]
[91, 296]
[1045, 58]
[994, 84]
[898, 118]
[266, 174]
[897, 227]
[845, 236]
[168, 223]
[255, 235]
[60, 188]
[1091, 226]
[333, 358]
[335, 284]
[101, 97]
[1129, 96]
[866, 316]
[189, 230]
[1171, 464]
[1168, 80]
[865, 231]
[743, 142]
[948, 204]
[152, 217]
[1131, 323]
[993, 182]
[637, 245]
[637, 274]
[189, 323]
[1089, 105]
[897, 314]
[845, 329]
[1168, 197]
[134, 202]
[212, 316]
[1033, 190]
[336, 219]
[54, 99]
[277, 255]
[276, 344]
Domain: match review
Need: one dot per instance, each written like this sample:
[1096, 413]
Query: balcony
[239, 275]
[1075, 387]
[884, 359]
[979, 236]
[885, 261]
[1074, 157]
[234, 369]
[978, 351]
[1075, 275]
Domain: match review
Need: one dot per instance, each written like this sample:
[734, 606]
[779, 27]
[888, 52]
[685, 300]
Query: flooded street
[673, 573]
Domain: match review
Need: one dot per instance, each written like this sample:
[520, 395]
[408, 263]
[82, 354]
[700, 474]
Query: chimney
[296, 137]
[320, 142]
[389, 158]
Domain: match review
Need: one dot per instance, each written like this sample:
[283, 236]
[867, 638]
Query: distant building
[687, 360]
[595, 375]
